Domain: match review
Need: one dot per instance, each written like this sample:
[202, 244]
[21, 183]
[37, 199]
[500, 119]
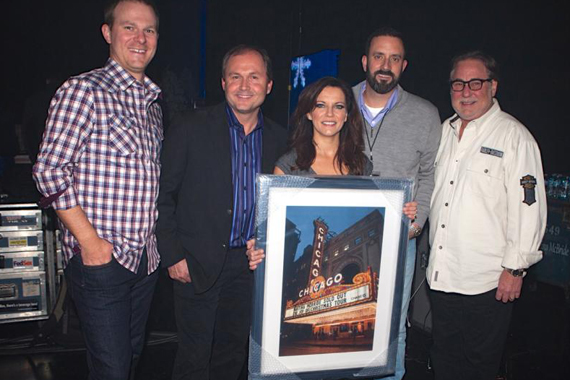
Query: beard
[382, 86]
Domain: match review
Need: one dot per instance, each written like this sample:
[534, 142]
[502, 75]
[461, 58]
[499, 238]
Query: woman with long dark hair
[327, 133]
[326, 140]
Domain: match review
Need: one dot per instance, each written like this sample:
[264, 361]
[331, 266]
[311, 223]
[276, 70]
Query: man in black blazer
[206, 211]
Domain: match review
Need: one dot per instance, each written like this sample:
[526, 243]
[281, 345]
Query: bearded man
[401, 136]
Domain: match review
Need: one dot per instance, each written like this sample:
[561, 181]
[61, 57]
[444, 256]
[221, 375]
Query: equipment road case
[23, 296]
[21, 261]
[21, 241]
[554, 268]
[19, 220]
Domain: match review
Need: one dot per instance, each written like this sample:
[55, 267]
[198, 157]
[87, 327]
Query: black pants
[213, 327]
[469, 334]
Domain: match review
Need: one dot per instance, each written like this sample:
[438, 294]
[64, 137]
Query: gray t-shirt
[287, 164]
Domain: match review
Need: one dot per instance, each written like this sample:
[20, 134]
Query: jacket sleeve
[173, 160]
[426, 170]
[526, 204]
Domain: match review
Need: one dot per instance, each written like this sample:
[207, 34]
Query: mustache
[384, 72]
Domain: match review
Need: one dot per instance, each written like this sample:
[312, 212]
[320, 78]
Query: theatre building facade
[330, 292]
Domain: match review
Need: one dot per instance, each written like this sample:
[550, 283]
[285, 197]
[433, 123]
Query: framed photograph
[327, 296]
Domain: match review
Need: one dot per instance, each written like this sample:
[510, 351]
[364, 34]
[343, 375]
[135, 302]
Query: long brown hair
[351, 143]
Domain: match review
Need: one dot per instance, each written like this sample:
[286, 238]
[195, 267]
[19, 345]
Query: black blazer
[195, 201]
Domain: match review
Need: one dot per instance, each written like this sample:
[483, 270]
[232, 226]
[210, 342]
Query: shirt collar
[121, 79]
[480, 123]
[233, 122]
[374, 120]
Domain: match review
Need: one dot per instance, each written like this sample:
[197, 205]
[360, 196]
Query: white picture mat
[279, 199]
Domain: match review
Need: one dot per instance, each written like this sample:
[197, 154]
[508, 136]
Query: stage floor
[537, 346]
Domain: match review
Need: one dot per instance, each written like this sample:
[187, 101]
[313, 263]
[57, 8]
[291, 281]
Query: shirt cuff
[515, 259]
[45, 202]
[64, 199]
[420, 220]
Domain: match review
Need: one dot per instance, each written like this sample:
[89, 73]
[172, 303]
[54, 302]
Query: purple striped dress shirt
[246, 163]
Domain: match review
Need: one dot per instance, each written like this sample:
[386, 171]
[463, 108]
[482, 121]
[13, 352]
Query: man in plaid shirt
[98, 167]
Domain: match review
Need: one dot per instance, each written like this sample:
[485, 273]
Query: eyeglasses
[475, 84]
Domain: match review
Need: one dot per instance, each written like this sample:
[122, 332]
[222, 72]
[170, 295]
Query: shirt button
[451, 182]
[229, 211]
[443, 226]
[224, 245]
[440, 247]
[446, 204]
[486, 170]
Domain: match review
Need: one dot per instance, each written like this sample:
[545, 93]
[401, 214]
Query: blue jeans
[112, 304]
[408, 278]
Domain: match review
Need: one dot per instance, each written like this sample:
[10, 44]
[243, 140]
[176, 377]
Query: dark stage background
[59, 38]
[529, 39]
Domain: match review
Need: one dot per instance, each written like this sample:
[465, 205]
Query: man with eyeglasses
[488, 216]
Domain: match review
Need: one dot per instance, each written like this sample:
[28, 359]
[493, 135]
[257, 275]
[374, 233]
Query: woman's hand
[411, 210]
[255, 256]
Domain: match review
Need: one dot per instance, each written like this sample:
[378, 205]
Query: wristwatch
[415, 230]
[516, 272]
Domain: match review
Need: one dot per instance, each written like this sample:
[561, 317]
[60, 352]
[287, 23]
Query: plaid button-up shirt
[101, 151]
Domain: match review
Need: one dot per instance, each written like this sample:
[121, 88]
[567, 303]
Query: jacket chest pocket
[123, 136]
[485, 177]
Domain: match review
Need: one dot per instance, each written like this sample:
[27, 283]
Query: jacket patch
[492, 152]
[528, 184]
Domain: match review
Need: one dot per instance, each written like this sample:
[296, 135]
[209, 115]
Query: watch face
[517, 272]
